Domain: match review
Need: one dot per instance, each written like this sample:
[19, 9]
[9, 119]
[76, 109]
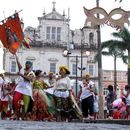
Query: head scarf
[29, 62]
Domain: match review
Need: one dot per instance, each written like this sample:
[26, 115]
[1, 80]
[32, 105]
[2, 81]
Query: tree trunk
[128, 67]
[115, 74]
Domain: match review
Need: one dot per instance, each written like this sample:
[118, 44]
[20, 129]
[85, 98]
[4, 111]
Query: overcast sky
[32, 9]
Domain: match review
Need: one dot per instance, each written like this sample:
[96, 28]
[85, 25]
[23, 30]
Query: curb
[113, 121]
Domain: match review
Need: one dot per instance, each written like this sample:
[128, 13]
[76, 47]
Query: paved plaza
[34, 125]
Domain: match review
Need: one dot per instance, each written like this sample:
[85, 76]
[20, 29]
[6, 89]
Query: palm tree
[124, 44]
[111, 48]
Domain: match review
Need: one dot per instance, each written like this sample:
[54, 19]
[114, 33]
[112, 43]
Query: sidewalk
[37, 125]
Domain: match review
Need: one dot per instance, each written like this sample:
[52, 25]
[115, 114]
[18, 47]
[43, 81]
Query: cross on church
[53, 5]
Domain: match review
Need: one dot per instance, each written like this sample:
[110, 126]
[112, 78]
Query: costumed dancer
[1, 89]
[23, 91]
[51, 79]
[3, 97]
[49, 91]
[65, 104]
[41, 104]
[86, 96]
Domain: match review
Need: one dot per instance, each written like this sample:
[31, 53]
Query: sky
[32, 9]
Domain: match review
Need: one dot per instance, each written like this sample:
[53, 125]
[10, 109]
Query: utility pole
[101, 104]
[76, 76]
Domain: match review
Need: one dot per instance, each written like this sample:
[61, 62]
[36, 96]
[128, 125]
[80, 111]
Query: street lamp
[67, 53]
[87, 53]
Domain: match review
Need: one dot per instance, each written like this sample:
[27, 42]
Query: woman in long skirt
[65, 104]
[41, 103]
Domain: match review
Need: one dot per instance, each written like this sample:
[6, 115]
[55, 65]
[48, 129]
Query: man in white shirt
[1, 89]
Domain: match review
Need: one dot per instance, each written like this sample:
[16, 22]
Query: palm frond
[119, 1]
[125, 59]
[107, 53]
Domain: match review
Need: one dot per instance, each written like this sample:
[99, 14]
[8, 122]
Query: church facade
[49, 40]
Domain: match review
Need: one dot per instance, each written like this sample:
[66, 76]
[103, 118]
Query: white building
[49, 40]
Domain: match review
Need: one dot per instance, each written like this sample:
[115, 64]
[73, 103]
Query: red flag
[11, 34]
[12, 41]
[14, 23]
[3, 36]
[9, 40]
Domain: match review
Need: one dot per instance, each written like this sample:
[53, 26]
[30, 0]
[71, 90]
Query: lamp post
[82, 35]
[67, 53]
[76, 77]
[82, 51]
[87, 53]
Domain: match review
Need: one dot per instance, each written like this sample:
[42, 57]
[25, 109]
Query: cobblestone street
[31, 125]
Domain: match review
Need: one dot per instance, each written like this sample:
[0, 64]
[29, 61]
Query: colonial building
[49, 40]
[108, 79]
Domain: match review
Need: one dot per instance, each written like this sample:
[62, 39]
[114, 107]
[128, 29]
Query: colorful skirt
[40, 105]
[67, 107]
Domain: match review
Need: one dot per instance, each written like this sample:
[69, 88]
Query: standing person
[110, 99]
[126, 93]
[2, 81]
[23, 90]
[51, 79]
[49, 91]
[5, 100]
[1, 87]
[63, 99]
[41, 103]
[86, 96]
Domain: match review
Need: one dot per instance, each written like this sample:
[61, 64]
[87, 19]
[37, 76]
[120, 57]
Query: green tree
[124, 36]
[123, 42]
[112, 48]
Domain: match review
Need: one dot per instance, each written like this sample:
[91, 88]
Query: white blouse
[24, 86]
[63, 84]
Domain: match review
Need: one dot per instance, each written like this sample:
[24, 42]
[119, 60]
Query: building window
[53, 67]
[91, 70]
[48, 32]
[13, 66]
[58, 34]
[53, 33]
[91, 38]
[73, 69]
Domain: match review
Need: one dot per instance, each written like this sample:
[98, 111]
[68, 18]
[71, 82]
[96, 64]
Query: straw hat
[65, 68]
[87, 75]
[50, 73]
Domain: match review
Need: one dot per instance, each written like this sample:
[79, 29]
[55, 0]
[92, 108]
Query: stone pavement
[35, 125]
